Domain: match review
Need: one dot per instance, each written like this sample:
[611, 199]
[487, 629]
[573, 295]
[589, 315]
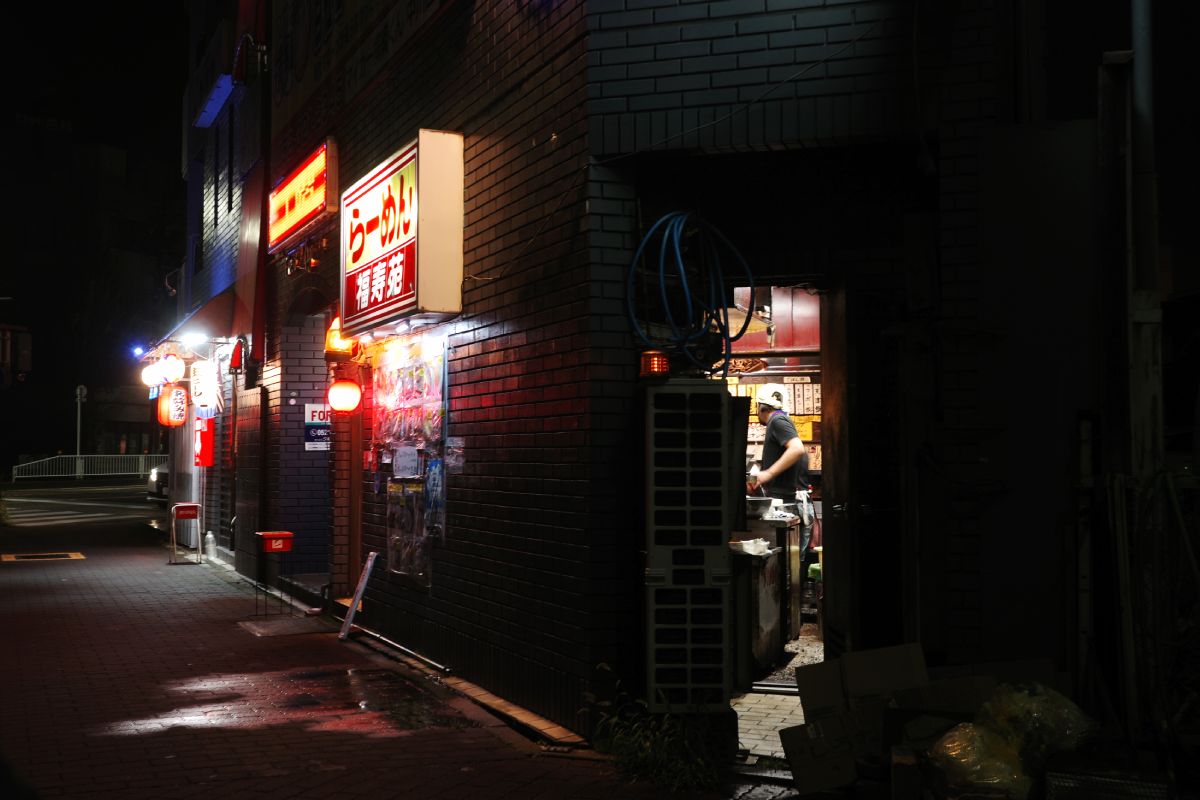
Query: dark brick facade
[848, 139]
[865, 129]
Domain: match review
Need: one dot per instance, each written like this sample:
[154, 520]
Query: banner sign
[205, 442]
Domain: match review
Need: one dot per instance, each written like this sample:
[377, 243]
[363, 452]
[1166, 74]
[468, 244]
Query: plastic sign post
[185, 511]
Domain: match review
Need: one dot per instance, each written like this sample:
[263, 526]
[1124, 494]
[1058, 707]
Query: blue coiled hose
[702, 292]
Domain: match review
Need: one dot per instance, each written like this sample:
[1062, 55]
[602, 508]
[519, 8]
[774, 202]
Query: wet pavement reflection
[370, 702]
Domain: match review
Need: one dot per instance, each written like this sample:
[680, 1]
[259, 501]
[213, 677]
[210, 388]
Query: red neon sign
[309, 192]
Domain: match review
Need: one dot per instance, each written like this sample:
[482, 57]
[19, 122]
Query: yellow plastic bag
[970, 756]
[1036, 721]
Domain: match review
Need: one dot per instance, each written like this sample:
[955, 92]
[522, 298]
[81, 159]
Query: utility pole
[80, 399]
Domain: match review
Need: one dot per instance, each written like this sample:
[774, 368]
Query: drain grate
[41, 557]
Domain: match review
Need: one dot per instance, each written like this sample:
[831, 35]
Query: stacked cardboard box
[859, 707]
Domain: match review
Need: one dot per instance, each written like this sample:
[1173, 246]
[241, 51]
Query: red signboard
[205, 443]
[186, 510]
[390, 270]
[379, 243]
[303, 196]
[385, 286]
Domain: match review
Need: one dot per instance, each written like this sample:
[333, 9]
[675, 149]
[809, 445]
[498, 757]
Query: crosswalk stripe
[64, 516]
[41, 519]
[91, 518]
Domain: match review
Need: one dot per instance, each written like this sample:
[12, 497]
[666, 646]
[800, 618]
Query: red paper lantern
[172, 405]
[344, 395]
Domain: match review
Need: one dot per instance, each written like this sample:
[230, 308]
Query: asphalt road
[54, 508]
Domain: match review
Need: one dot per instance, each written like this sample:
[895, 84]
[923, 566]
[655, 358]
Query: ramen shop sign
[401, 236]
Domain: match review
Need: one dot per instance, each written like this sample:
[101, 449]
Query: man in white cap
[782, 448]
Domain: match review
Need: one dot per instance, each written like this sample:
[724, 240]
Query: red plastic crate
[276, 541]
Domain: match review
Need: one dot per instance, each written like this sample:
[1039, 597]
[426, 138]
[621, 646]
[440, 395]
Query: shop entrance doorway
[778, 575]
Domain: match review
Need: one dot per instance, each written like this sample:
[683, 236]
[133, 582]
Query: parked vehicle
[157, 484]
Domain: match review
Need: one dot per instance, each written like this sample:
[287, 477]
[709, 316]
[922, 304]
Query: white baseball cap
[771, 394]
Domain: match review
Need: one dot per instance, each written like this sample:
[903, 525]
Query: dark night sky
[118, 77]
[95, 96]
[96, 124]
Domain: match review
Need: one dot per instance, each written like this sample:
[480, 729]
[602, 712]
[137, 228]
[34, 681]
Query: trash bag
[1036, 721]
[970, 757]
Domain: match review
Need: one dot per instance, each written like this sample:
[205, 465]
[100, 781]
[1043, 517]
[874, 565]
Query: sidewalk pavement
[124, 677]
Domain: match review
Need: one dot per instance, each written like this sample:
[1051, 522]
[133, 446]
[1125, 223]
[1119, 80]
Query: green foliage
[677, 752]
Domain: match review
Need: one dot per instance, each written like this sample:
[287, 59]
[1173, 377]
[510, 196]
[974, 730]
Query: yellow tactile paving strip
[18, 557]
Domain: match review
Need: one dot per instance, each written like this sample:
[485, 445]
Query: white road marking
[89, 518]
[74, 503]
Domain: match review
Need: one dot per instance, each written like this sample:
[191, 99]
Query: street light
[80, 399]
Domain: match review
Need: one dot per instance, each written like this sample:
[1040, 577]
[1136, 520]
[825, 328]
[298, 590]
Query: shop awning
[214, 319]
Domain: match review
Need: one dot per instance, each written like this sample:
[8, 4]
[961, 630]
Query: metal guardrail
[88, 466]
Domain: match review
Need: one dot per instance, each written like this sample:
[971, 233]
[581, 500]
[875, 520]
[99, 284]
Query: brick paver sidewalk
[123, 677]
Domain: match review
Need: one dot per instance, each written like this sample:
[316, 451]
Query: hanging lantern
[151, 375]
[172, 369]
[344, 395]
[172, 405]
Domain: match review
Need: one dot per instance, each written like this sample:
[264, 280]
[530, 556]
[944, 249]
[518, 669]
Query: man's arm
[792, 453]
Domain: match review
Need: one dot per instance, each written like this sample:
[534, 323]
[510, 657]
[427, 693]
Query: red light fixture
[335, 345]
[655, 363]
[344, 395]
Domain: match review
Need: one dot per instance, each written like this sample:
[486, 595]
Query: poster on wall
[408, 394]
[409, 537]
[408, 426]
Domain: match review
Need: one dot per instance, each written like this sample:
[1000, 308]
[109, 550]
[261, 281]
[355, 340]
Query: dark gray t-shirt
[780, 431]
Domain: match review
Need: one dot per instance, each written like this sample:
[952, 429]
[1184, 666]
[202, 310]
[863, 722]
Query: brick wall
[510, 604]
[537, 579]
[832, 78]
[303, 479]
[221, 206]
[673, 73]
[962, 66]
